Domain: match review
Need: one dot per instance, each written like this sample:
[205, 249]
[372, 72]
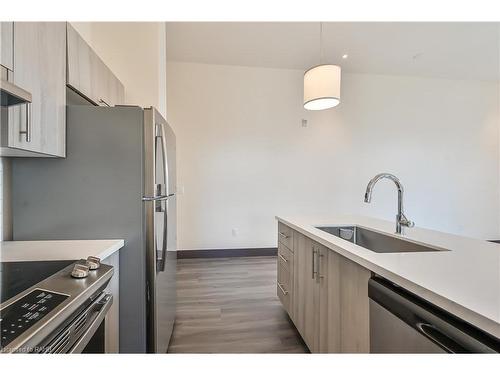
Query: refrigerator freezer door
[160, 229]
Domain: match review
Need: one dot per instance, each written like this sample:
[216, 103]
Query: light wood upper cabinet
[88, 75]
[39, 66]
[7, 45]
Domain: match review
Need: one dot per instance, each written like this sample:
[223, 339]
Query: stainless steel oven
[63, 313]
[401, 322]
[84, 333]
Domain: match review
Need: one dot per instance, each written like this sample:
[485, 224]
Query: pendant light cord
[321, 57]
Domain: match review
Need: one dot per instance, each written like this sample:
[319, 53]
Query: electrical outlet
[304, 123]
[234, 232]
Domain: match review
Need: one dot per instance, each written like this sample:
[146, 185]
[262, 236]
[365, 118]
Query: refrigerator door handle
[163, 259]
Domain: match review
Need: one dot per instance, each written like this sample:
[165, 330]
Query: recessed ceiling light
[345, 56]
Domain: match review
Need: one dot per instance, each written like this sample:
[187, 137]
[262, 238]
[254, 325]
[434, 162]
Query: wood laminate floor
[229, 305]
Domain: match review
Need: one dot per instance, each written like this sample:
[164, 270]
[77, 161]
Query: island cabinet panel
[306, 289]
[329, 303]
[329, 311]
[354, 307]
[112, 326]
[285, 235]
[285, 277]
[284, 290]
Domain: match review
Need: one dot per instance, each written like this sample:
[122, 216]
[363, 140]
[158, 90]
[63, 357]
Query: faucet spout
[401, 219]
[368, 195]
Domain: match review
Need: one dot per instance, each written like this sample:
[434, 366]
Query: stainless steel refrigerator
[117, 181]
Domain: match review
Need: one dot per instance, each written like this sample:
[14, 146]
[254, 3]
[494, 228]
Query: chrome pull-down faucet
[401, 220]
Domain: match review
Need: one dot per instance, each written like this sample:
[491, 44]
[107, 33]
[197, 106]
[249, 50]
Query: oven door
[85, 333]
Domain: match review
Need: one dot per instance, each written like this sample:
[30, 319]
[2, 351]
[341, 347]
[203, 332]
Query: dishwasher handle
[435, 335]
[451, 333]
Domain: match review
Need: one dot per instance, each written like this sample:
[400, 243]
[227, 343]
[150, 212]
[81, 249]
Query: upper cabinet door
[81, 64]
[7, 45]
[88, 75]
[40, 68]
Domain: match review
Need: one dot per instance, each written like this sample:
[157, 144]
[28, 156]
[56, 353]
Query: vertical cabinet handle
[313, 262]
[320, 261]
[28, 123]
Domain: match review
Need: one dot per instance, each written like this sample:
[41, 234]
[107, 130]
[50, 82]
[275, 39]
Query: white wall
[135, 52]
[244, 157]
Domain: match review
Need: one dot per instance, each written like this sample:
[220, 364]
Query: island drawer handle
[283, 235]
[285, 292]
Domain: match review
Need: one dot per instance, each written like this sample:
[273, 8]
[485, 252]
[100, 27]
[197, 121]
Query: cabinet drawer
[285, 235]
[284, 287]
[285, 257]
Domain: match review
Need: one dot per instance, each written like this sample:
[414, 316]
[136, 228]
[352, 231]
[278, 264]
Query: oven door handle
[104, 306]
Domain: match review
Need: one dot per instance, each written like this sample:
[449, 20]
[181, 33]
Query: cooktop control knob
[93, 263]
[80, 271]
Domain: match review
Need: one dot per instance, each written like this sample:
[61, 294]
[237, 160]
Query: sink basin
[376, 241]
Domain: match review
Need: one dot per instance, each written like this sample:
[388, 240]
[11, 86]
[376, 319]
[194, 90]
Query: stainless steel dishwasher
[401, 322]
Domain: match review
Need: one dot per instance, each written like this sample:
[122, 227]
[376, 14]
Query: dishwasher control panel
[21, 315]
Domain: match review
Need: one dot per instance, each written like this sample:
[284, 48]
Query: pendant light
[322, 83]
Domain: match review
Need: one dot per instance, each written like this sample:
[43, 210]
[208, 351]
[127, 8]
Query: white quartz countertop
[22, 251]
[464, 281]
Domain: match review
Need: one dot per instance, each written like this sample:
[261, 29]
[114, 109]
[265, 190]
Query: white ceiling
[445, 50]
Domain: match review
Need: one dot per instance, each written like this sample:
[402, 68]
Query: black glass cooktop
[16, 277]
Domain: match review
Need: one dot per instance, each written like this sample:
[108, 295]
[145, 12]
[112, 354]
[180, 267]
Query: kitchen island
[463, 278]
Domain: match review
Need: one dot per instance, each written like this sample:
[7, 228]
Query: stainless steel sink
[375, 241]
